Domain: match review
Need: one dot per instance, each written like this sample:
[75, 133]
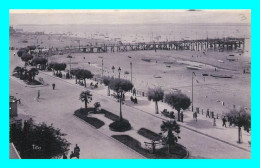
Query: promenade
[201, 138]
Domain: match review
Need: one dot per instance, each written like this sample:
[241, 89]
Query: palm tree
[86, 97]
[155, 95]
[169, 127]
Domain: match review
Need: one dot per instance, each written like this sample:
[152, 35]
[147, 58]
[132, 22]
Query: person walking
[207, 114]
[76, 151]
[53, 86]
[38, 96]
[134, 92]
[224, 120]
[195, 116]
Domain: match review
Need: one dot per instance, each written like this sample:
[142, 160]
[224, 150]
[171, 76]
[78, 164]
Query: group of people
[134, 100]
[210, 114]
[75, 153]
[92, 85]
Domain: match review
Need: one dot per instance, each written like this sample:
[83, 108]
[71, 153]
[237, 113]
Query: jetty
[215, 44]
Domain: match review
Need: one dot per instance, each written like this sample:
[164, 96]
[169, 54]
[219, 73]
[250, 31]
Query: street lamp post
[120, 99]
[119, 70]
[102, 68]
[192, 90]
[131, 70]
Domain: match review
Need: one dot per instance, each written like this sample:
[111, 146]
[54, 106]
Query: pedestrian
[224, 120]
[195, 116]
[64, 156]
[123, 97]
[214, 122]
[76, 151]
[38, 96]
[134, 92]
[14, 53]
[207, 114]
[53, 86]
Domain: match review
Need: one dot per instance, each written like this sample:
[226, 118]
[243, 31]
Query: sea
[130, 33]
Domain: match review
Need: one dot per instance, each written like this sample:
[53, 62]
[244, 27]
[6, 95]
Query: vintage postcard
[130, 84]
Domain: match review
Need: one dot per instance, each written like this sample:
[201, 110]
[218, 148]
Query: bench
[168, 114]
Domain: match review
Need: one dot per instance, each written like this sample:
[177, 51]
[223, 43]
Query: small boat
[175, 90]
[193, 67]
[220, 61]
[155, 76]
[221, 76]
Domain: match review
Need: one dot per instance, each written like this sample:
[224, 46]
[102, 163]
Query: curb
[123, 145]
[188, 128]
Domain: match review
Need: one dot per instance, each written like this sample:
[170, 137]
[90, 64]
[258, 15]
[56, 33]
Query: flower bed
[178, 151]
[81, 113]
[149, 134]
[120, 126]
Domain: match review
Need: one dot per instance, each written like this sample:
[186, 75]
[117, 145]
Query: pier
[217, 44]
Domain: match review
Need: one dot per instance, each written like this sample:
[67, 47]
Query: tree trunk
[179, 115]
[86, 105]
[85, 82]
[156, 107]
[239, 135]
[169, 148]
[76, 80]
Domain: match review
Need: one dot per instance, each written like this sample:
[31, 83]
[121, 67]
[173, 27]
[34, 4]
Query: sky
[43, 17]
